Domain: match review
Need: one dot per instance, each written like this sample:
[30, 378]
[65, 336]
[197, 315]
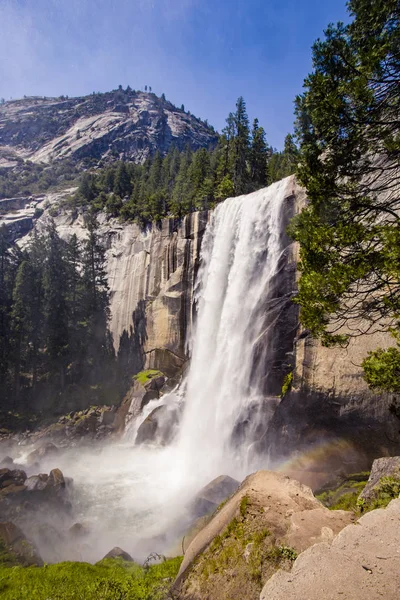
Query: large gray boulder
[361, 563]
[267, 520]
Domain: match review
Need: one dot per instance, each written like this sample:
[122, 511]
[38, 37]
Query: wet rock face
[331, 435]
[160, 426]
[151, 275]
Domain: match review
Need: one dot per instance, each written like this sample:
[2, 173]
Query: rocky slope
[361, 562]
[262, 526]
[119, 124]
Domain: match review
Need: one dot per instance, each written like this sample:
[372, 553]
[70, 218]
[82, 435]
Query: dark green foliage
[29, 178]
[348, 126]
[382, 370]
[240, 148]
[345, 495]
[259, 153]
[181, 182]
[282, 164]
[54, 312]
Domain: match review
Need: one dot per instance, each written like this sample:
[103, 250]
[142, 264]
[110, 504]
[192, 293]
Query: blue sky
[202, 53]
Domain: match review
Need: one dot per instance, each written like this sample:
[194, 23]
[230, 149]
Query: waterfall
[225, 399]
[240, 254]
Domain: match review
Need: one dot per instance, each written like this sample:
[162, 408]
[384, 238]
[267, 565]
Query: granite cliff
[123, 124]
[151, 275]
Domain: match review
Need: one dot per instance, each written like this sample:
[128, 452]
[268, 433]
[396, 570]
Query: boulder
[7, 462]
[262, 526]
[36, 483]
[119, 553]
[362, 562]
[10, 477]
[78, 530]
[55, 482]
[155, 383]
[160, 426]
[18, 545]
[131, 406]
[44, 452]
[211, 495]
[148, 396]
[381, 467]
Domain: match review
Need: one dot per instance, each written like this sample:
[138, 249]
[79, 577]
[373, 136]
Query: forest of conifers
[182, 182]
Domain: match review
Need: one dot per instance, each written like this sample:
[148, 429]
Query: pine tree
[38, 255]
[96, 310]
[258, 157]
[241, 145]
[122, 181]
[56, 310]
[86, 187]
[22, 321]
[201, 183]
[348, 128]
[180, 201]
[74, 296]
[9, 261]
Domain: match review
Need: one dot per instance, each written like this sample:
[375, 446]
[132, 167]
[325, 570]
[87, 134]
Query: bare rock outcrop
[363, 561]
[151, 275]
[123, 123]
[261, 527]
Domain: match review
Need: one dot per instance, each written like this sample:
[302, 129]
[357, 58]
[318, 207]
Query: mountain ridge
[121, 124]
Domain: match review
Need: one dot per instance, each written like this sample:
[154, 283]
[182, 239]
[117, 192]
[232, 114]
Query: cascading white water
[240, 253]
[135, 496]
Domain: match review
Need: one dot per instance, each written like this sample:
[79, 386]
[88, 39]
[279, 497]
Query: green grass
[388, 490]
[145, 376]
[345, 496]
[110, 579]
[244, 503]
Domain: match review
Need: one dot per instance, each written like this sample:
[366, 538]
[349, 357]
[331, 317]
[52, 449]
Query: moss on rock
[144, 376]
